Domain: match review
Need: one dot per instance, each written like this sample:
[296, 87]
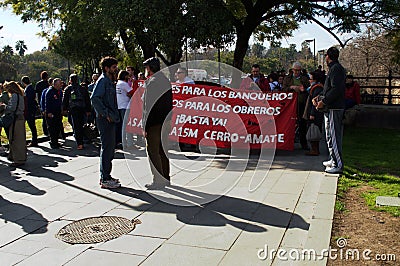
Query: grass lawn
[67, 128]
[371, 157]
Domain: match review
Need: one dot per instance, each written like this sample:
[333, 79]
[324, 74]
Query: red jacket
[262, 83]
[353, 92]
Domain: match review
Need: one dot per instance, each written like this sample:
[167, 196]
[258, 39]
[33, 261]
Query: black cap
[152, 61]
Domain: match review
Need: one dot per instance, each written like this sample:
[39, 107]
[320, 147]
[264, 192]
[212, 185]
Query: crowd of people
[322, 99]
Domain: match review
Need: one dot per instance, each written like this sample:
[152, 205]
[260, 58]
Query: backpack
[76, 99]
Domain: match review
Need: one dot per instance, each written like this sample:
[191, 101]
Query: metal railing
[382, 91]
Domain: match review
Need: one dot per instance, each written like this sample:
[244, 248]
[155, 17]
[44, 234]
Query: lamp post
[321, 56]
[313, 40]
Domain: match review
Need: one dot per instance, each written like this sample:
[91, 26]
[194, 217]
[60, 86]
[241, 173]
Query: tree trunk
[128, 43]
[241, 47]
[148, 50]
[242, 44]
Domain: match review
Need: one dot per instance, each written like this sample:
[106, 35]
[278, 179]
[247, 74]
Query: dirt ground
[364, 229]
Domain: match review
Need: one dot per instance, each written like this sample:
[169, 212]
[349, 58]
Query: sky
[14, 30]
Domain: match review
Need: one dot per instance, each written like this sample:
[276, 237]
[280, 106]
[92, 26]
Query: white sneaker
[333, 170]
[158, 185]
[328, 163]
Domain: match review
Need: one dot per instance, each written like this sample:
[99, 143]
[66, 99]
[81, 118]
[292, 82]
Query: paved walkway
[292, 210]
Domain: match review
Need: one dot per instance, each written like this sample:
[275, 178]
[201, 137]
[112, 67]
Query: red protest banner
[225, 117]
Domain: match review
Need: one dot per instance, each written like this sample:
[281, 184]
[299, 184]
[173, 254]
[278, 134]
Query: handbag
[90, 131]
[6, 120]
[313, 133]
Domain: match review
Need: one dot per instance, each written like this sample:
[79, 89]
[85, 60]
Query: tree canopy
[165, 29]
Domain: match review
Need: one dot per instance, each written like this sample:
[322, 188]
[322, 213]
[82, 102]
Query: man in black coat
[53, 101]
[76, 102]
[31, 106]
[40, 86]
[157, 108]
[332, 99]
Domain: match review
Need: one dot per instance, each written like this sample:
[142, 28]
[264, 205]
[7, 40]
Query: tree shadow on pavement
[252, 215]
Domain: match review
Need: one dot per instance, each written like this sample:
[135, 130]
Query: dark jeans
[349, 103]
[31, 123]
[158, 159]
[77, 119]
[45, 126]
[92, 117]
[107, 138]
[303, 132]
[54, 125]
[118, 136]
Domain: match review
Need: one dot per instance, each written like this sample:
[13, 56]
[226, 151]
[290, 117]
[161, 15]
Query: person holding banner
[298, 83]
[255, 81]
[182, 77]
[157, 109]
[311, 114]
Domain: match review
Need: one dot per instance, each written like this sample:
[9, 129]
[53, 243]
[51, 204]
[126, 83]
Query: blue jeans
[127, 138]
[107, 138]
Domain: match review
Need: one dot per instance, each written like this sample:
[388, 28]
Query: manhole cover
[96, 229]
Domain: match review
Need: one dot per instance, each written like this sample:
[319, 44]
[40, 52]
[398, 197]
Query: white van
[197, 74]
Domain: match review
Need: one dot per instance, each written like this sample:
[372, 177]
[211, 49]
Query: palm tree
[21, 47]
[8, 50]
[7, 54]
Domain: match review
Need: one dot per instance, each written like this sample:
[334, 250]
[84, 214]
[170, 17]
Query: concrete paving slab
[285, 187]
[325, 206]
[209, 230]
[57, 210]
[319, 235]
[105, 258]
[170, 254]
[161, 225]
[23, 247]
[291, 209]
[127, 213]
[283, 201]
[244, 255]
[130, 244]
[10, 259]
[46, 235]
[96, 208]
[51, 256]
[329, 185]
[295, 237]
[298, 257]
[19, 228]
